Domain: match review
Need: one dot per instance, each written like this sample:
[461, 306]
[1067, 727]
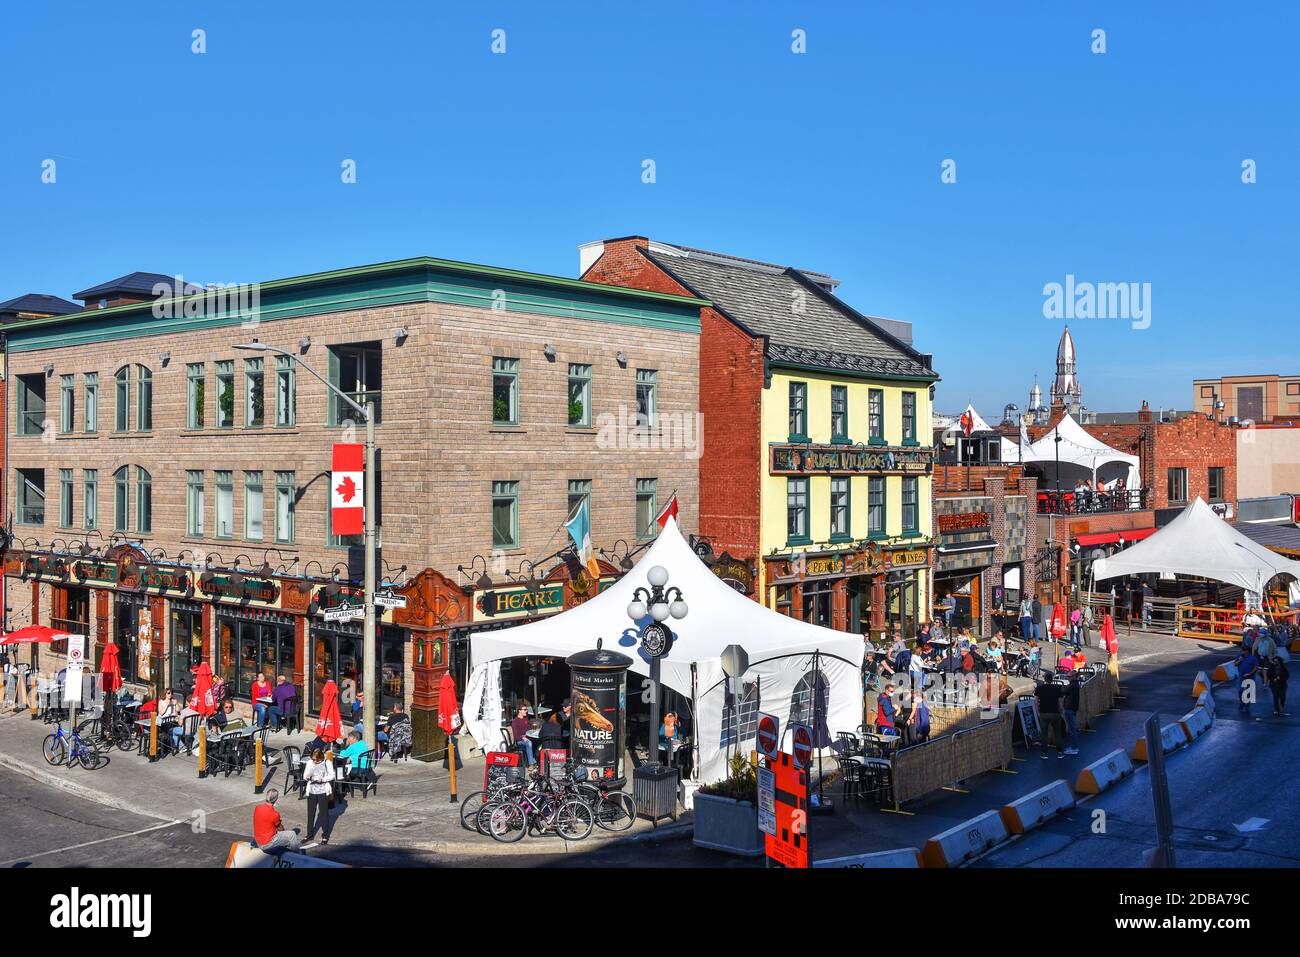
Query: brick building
[187, 480]
[1255, 398]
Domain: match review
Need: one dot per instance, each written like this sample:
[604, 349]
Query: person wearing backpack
[1278, 675]
[919, 722]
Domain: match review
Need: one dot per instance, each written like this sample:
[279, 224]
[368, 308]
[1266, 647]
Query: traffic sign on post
[801, 741]
[769, 735]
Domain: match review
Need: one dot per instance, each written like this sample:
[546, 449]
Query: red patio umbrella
[111, 669]
[203, 700]
[34, 634]
[1058, 621]
[330, 726]
[1108, 635]
[448, 709]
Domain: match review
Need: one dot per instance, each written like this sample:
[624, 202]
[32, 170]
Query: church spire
[1066, 389]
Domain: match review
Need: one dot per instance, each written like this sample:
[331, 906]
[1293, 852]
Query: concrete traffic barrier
[1172, 737]
[903, 857]
[1226, 671]
[1206, 701]
[1195, 723]
[1200, 683]
[959, 844]
[1104, 772]
[1038, 806]
[243, 854]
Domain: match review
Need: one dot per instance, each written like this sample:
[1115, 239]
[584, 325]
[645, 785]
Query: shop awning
[1108, 538]
[967, 547]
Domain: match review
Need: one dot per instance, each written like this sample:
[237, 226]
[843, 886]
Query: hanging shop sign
[907, 558]
[871, 560]
[955, 524]
[498, 604]
[45, 566]
[94, 572]
[253, 591]
[839, 460]
[387, 598]
[165, 579]
[734, 571]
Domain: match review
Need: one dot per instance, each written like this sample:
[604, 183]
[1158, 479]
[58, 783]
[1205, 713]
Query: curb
[50, 779]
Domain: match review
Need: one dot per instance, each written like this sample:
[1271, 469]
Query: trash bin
[655, 789]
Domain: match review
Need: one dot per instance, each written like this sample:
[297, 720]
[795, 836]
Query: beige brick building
[171, 493]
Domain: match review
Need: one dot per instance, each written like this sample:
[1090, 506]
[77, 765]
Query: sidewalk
[410, 819]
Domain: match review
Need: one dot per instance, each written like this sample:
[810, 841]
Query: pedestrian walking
[319, 775]
[1027, 619]
[1049, 716]
[1278, 676]
[919, 722]
[1247, 669]
[1070, 712]
[1036, 611]
[1148, 595]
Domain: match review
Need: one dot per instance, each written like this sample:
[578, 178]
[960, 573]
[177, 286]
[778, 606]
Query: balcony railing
[1091, 503]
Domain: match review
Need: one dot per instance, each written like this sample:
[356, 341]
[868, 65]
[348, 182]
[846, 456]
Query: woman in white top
[318, 773]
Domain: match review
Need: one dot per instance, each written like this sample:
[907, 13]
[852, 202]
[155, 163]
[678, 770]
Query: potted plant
[726, 812]
[576, 412]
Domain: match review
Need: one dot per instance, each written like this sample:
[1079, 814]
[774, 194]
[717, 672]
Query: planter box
[722, 824]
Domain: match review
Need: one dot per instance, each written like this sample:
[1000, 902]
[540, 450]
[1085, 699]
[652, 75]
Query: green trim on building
[369, 287]
[853, 374]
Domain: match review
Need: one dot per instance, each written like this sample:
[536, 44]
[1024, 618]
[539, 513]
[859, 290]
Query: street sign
[344, 612]
[735, 661]
[790, 844]
[767, 801]
[801, 745]
[72, 674]
[769, 735]
[76, 649]
[387, 599]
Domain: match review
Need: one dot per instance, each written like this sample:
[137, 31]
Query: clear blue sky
[1117, 167]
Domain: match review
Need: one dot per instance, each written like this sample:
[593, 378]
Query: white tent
[1009, 451]
[1198, 542]
[1078, 448]
[780, 652]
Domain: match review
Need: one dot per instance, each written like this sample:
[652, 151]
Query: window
[286, 392]
[911, 504]
[254, 502]
[579, 491]
[121, 499]
[225, 504]
[122, 399]
[505, 391]
[647, 494]
[226, 394]
[876, 505]
[356, 371]
[254, 394]
[144, 400]
[740, 715]
[801, 702]
[839, 413]
[579, 394]
[1178, 485]
[67, 397]
[31, 404]
[876, 416]
[90, 511]
[505, 514]
[65, 498]
[647, 398]
[285, 489]
[1216, 484]
[798, 412]
[90, 416]
[840, 509]
[194, 504]
[796, 510]
[143, 501]
[31, 496]
[196, 387]
[909, 418]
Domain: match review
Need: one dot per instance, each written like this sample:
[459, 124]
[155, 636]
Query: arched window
[803, 709]
[143, 501]
[143, 399]
[122, 400]
[121, 500]
[740, 717]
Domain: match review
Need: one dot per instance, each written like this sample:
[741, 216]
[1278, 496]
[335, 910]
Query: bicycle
[541, 809]
[613, 809]
[56, 751]
[475, 803]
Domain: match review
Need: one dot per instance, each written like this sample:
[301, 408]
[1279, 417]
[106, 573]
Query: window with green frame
[839, 413]
[579, 394]
[90, 502]
[505, 391]
[90, 402]
[121, 499]
[67, 407]
[226, 394]
[876, 506]
[143, 399]
[876, 416]
[286, 392]
[579, 491]
[31, 404]
[911, 504]
[225, 482]
[798, 411]
[122, 400]
[196, 383]
[254, 393]
[65, 498]
[841, 515]
[194, 504]
[254, 507]
[357, 371]
[647, 501]
[505, 514]
[31, 496]
[285, 490]
[796, 511]
[647, 398]
[909, 418]
[143, 501]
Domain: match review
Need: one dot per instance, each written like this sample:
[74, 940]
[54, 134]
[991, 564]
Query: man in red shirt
[268, 829]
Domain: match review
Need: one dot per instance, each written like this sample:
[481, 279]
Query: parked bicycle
[542, 807]
[69, 749]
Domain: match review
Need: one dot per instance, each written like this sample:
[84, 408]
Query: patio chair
[850, 779]
[364, 778]
[291, 757]
[850, 745]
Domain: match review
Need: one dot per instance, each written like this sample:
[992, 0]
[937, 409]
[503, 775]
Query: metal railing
[1091, 502]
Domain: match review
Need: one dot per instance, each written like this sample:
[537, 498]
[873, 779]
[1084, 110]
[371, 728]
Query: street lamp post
[367, 413]
[657, 638]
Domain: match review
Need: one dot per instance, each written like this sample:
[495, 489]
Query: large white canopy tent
[1198, 542]
[1078, 450]
[780, 650]
[1009, 451]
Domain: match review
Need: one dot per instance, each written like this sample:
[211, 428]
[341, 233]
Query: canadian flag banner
[669, 511]
[348, 489]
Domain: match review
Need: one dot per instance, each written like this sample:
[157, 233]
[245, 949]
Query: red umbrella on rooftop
[34, 634]
[330, 726]
[203, 701]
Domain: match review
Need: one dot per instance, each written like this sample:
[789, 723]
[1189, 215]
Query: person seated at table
[399, 733]
[995, 652]
[519, 727]
[381, 737]
[169, 708]
[357, 754]
[225, 718]
[550, 734]
[1066, 664]
[269, 832]
[261, 689]
[284, 702]
[1080, 659]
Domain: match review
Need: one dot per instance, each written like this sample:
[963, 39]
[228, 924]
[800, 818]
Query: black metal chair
[291, 758]
[850, 744]
[361, 777]
[876, 780]
[850, 779]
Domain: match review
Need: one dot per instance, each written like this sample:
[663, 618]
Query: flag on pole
[967, 423]
[579, 528]
[669, 511]
[348, 489]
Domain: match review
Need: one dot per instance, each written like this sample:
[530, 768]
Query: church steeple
[1066, 389]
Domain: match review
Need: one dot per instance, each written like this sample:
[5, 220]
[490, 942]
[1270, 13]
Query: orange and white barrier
[1206, 701]
[1200, 684]
[1104, 772]
[243, 854]
[1172, 737]
[1226, 672]
[1034, 808]
[1195, 723]
[959, 844]
[903, 857]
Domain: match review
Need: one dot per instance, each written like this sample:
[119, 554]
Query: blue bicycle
[60, 749]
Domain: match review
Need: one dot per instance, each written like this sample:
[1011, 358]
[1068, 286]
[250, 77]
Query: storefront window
[785, 599]
[131, 614]
[336, 656]
[252, 645]
[817, 602]
[900, 604]
[858, 596]
[187, 644]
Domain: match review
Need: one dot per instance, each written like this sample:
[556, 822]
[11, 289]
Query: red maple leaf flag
[669, 511]
[347, 489]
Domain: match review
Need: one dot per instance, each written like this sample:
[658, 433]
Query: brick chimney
[1144, 413]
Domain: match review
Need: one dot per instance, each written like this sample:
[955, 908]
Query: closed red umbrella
[203, 700]
[1058, 621]
[448, 709]
[330, 725]
[1108, 635]
[111, 669]
[34, 634]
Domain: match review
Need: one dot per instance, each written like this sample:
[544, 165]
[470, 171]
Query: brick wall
[1196, 444]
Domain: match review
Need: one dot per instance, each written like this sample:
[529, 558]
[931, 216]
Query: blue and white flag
[579, 528]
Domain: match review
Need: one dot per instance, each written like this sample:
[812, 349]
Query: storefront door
[817, 597]
[900, 604]
[336, 656]
[859, 605]
[132, 629]
[186, 644]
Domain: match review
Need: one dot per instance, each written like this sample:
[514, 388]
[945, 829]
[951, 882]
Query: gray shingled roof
[39, 302]
[140, 283]
[825, 334]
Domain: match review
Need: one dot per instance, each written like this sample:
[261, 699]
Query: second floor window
[141, 417]
[254, 503]
[67, 400]
[225, 394]
[505, 514]
[121, 499]
[796, 509]
[876, 416]
[196, 387]
[876, 505]
[579, 492]
[286, 392]
[254, 393]
[579, 394]
[505, 391]
[194, 504]
[839, 413]
[31, 496]
[90, 401]
[911, 504]
[647, 494]
[225, 504]
[647, 398]
[1216, 484]
[31, 404]
[285, 491]
[798, 411]
[90, 510]
[143, 501]
[65, 498]
[357, 371]
[122, 399]
[143, 399]
[840, 508]
[1178, 485]
[909, 418]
